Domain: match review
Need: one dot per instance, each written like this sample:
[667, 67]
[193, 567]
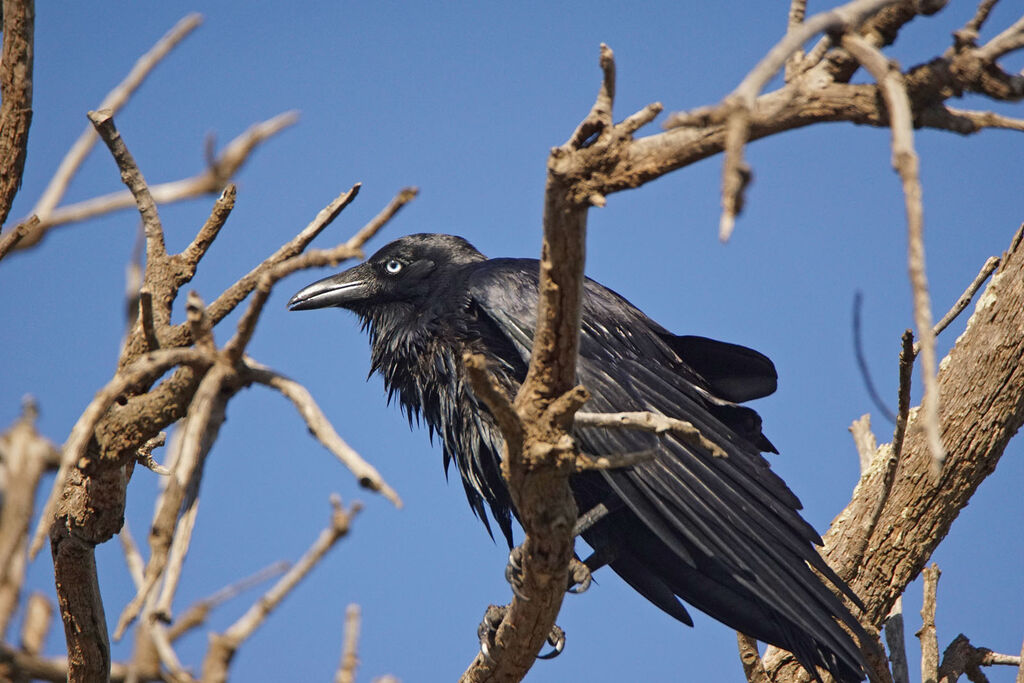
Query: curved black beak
[343, 289]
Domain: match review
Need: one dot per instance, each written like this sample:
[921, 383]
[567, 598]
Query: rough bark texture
[982, 407]
[19, 18]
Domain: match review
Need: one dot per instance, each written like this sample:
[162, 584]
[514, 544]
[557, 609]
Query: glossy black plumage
[723, 534]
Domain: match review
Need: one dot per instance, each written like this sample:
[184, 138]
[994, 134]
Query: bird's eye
[393, 267]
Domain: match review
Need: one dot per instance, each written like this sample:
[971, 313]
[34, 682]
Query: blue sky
[464, 101]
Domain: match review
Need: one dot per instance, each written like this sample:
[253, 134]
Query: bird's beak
[343, 289]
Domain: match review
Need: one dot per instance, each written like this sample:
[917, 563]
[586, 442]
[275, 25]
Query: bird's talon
[557, 641]
[579, 576]
[488, 629]
[514, 572]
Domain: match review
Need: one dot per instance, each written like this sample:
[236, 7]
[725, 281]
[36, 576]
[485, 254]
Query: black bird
[721, 533]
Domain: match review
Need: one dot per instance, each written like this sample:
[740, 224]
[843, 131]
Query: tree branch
[19, 18]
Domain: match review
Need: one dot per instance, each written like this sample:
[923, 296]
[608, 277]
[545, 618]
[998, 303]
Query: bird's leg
[488, 630]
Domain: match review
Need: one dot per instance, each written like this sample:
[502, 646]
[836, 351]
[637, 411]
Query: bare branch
[487, 389]
[1012, 38]
[896, 641]
[349, 658]
[191, 255]
[224, 645]
[25, 456]
[906, 373]
[12, 238]
[864, 439]
[145, 454]
[146, 369]
[986, 270]
[15, 97]
[103, 121]
[753, 668]
[167, 547]
[237, 292]
[905, 161]
[196, 613]
[114, 100]
[652, 422]
[211, 180]
[132, 557]
[929, 641]
[321, 428]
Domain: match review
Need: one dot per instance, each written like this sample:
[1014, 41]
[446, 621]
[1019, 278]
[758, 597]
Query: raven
[721, 533]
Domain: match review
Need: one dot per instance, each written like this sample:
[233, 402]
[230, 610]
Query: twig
[321, 428]
[196, 613]
[144, 456]
[224, 645]
[486, 388]
[905, 374]
[147, 368]
[904, 160]
[165, 650]
[864, 439]
[114, 100]
[753, 667]
[929, 641]
[973, 26]
[797, 12]
[736, 173]
[211, 180]
[990, 265]
[35, 626]
[237, 292]
[862, 361]
[895, 639]
[103, 121]
[1012, 38]
[167, 548]
[132, 557]
[735, 110]
[196, 249]
[349, 658]
[655, 423]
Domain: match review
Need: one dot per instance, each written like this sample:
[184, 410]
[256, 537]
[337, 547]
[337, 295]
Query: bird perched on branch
[721, 533]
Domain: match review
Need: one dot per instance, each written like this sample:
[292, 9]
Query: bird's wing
[723, 533]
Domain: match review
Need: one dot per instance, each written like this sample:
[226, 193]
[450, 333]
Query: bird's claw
[579, 577]
[514, 572]
[488, 630]
[557, 641]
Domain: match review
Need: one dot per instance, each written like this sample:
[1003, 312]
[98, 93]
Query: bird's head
[411, 270]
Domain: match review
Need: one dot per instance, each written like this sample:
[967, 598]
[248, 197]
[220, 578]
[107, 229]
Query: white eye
[393, 266]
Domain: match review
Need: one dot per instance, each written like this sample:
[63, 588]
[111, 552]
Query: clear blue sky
[465, 101]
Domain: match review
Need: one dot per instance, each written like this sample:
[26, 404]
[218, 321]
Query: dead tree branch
[19, 18]
[224, 645]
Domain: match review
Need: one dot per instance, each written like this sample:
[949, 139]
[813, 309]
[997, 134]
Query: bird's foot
[514, 572]
[579, 574]
[488, 631]
[579, 577]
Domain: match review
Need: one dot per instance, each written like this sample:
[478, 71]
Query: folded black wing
[722, 533]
